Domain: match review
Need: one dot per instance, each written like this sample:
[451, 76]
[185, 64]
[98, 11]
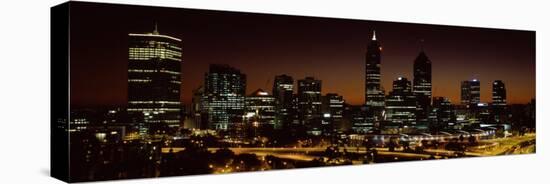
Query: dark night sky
[263, 46]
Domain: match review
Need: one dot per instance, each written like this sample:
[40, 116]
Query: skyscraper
[499, 93]
[260, 110]
[283, 89]
[333, 110]
[470, 93]
[444, 112]
[374, 94]
[154, 78]
[196, 109]
[309, 104]
[360, 118]
[422, 86]
[224, 97]
[499, 108]
[401, 103]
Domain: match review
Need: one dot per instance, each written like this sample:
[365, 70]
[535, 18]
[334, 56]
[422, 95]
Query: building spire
[156, 31]
[373, 35]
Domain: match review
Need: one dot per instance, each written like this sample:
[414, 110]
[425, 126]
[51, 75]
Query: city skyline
[128, 74]
[332, 54]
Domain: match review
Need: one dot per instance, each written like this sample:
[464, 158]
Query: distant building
[260, 110]
[422, 86]
[154, 78]
[309, 104]
[360, 119]
[333, 110]
[374, 94]
[499, 106]
[499, 93]
[196, 113]
[283, 89]
[470, 93]
[444, 111]
[401, 103]
[223, 101]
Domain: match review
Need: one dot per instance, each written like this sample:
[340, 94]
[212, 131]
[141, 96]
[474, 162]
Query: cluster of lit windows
[141, 71]
[139, 80]
[175, 82]
[159, 110]
[136, 53]
[170, 72]
[152, 102]
[80, 121]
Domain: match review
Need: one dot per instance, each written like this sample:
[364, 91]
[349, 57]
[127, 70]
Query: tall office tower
[224, 97]
[470, 93]
[332, 107]
[309, 104]
[196, 109]
[422, 86]
[444, 112]
[401, 103]
[499, 108]
[283, 89]
[154, 78]
[499, 93]
[260, 110]
[374, 94]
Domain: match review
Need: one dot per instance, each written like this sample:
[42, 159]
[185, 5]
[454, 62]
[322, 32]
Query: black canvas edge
[59, 99]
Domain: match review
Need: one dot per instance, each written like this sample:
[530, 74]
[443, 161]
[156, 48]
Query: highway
[490, 147]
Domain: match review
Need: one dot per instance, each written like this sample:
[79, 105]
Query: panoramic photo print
[156, 92]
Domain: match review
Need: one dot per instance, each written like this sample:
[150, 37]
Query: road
[500, 146]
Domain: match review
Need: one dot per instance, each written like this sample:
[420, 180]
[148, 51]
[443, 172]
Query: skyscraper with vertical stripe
[374, 94]
[422, 86]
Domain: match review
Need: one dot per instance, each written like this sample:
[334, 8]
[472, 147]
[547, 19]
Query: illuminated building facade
[499, 106]
[499, 93]
[154, 78]
[223, 100]
[309, 104]
[374, 94]
[283, 89]
[444, 112]
[260, 110]
[333, 111]
[401, 103]
[470, 93]
[360, 119]
[422, 86]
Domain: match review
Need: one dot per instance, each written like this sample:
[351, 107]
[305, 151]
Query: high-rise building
[470, 93]
[374, 94]
[333, 110]
[283, 89]
[360, 119]
[309, 104]
[444, 112]
[422, 86]
[499, 93]
[499, 106]
[260, 110]
[154, 78]
[401, 103]
[223, 100]
[196, 109]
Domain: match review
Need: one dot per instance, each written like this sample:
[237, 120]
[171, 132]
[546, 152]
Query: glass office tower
[154, 78]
